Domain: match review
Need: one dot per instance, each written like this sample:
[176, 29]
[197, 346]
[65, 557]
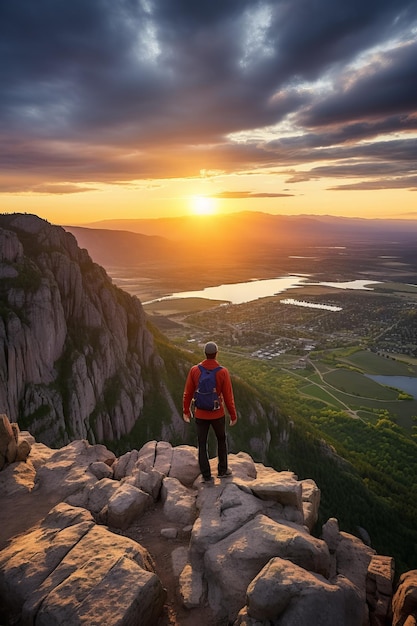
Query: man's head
[210, 350]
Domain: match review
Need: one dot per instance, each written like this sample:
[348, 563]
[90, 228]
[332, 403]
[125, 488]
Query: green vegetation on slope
[365, 469]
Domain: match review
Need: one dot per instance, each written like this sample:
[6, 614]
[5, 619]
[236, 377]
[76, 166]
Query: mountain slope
[76, 357]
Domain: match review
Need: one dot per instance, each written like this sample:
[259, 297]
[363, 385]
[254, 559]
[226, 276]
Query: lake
[239, 293]
[405, 383]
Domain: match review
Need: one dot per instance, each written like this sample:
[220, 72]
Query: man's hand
[232, 423]
[186, 417]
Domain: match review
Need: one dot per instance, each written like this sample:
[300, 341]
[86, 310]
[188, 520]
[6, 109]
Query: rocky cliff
[76, 358]
[247, 555]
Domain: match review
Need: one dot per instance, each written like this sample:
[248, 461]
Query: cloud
[114, 90]
[404, 182]
[238, 195]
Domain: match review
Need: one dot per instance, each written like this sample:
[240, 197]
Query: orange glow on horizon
[197, 197]
[203, 205]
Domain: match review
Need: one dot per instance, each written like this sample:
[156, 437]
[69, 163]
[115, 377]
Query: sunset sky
[149, 108]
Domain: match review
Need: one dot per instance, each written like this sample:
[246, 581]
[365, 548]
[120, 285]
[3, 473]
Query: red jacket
[223, 387]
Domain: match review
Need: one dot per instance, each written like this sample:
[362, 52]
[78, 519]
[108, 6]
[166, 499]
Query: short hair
[210, 348]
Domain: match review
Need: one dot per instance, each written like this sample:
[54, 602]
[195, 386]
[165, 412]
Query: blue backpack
[206, 396]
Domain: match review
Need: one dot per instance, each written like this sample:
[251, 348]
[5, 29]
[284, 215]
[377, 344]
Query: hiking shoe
[208, 481]
[228, 472]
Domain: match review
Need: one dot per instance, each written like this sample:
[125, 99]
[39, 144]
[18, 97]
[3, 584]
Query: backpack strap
[206, 369]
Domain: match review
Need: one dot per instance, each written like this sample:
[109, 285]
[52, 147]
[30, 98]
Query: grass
[180, 306]
[318, 393]
[372, 363]
[356, 384]
[339, 389]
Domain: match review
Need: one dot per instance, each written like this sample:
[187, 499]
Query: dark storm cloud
[388, 87]
[113, 90]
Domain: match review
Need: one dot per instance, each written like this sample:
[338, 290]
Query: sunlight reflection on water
[239, 293]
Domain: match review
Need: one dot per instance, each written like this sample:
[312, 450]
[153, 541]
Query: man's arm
[229, 400]
[188, 396]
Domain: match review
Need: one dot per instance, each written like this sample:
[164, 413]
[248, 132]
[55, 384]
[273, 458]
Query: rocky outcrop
[404, 603]
[251, 555]
[76, 358]
[12, 446]
[71, 571]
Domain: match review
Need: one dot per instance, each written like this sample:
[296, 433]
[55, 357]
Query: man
[214, 418]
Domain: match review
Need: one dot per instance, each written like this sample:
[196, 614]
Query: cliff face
[75, 353]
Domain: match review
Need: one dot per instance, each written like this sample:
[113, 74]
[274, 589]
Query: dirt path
[147, 532]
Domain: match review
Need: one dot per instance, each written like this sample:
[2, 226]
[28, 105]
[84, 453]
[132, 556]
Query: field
[325, 379]
[325, 355]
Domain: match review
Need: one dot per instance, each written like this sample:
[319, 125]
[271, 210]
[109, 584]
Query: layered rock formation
[251, 557]
[76, 358]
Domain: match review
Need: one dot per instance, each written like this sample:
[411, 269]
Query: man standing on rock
[214, 416]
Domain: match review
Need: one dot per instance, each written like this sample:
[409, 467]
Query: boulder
[125, 505]
[148, 481]
[184, 465]
[286, 593]
[221, 512]
[179, 557]
[146, 456]
[23, 450]
[242, 465]
[16, 431]
[11, 451]
[352, 560]
[310, 495]
[191, 587]
[70, 571]
[163, 457]
[100, 493]
[231, 564]
[123, 466]
[404, 602]
[6, 439]
[350, 557]
[106, 590]
[379, 586]
[169, 533]
[179, 501]
[65, 472]
[282, 487]
[331, 534]
[151, 482]
[27, 561]
[101, 470]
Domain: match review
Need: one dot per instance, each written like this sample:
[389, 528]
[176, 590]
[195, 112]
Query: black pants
[219, 427]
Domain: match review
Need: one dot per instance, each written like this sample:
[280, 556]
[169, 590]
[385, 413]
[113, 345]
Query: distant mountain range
[120, 247]
[232, 236]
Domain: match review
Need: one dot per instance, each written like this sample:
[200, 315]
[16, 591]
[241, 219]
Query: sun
[203, 205]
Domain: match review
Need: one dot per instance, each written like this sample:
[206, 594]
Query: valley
[309, 351]
[328, 346]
